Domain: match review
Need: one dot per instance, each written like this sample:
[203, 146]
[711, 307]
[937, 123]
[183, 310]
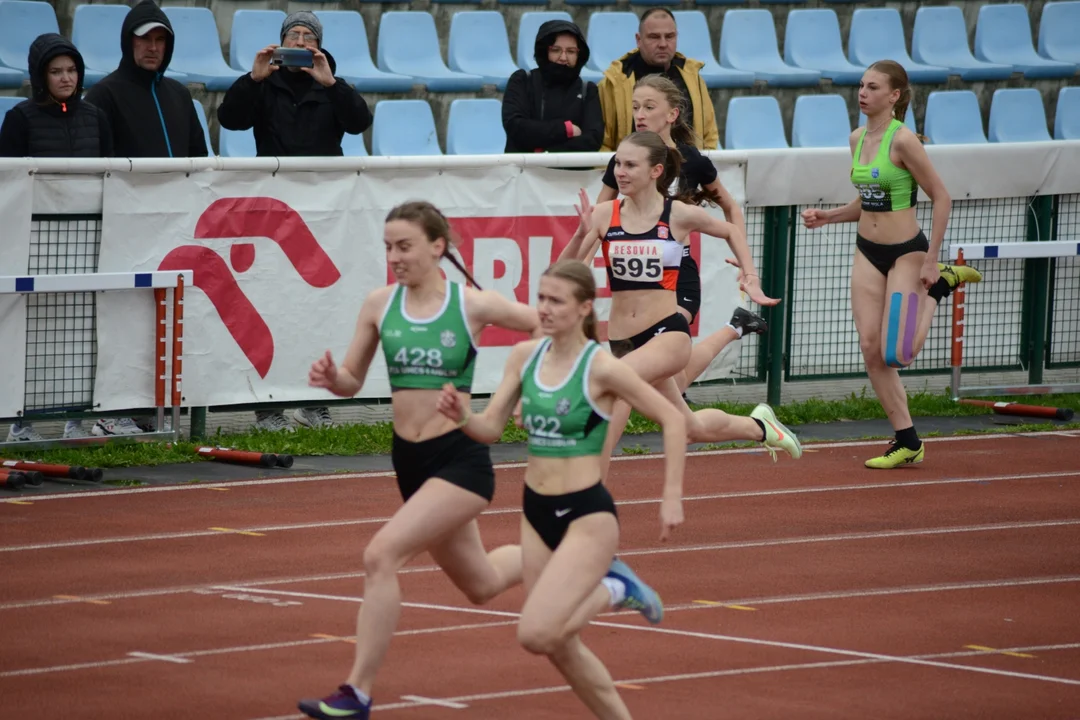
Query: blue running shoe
[342, 704]
[639, 596]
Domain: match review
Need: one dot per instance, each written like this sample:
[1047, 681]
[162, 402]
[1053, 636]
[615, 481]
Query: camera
[292, 57]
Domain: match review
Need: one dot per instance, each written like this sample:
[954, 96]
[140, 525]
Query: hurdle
[960, 254]
[167, 386]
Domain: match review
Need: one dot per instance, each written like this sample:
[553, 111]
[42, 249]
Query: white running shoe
[273, 421]
[74, 429]
[314, 417]
[23, 433]
[115, 426]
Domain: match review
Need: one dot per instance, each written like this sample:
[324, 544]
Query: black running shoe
[749, 322]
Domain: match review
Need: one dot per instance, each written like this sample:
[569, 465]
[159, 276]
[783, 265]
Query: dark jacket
[537, 103]
[292, 114]
[43, 127]
[150, 115]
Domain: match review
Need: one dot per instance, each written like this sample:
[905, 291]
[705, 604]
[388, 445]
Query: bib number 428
[419, 357]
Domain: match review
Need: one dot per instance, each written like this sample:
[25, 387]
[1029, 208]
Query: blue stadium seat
[1067, 114]
[812, 42]
[909, 119]
[820, 121]
[345, 36]
[940, 38]
[753, 123]
[610, 36]
[722, 2]
[197, 48]
[527, 29]
[22, 21]
[1003, 35]
[409, 45]
[353, 145]
[587, 2]
[695, 42]
[6, 103]
[236, 143]
[878, 34]
[200, 110]
[404, 127]
[252, 30]
[1059, 31]
[748, 43]
[475, 127]
[10, 78]
[953, 117]
[1017, 115]
[479, 45]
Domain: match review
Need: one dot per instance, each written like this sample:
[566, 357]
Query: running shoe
[776, 435]
[956, 274]
[639, 596]
[896, 456]
[749, 322]
[313, 417]
[342, 704]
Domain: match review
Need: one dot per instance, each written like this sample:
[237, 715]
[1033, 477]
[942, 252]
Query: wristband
[569, 129]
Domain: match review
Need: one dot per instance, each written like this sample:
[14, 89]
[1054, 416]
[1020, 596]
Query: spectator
[302, 111]
[150, 115]
[551, 109]
[54, 122]
[656, 54]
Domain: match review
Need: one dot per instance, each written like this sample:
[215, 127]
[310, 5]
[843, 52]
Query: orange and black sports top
[642, 261]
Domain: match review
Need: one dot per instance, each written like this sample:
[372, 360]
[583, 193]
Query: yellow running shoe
[896, 456]
[776, 435]
[956, 274]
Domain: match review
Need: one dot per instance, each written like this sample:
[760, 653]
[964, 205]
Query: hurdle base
[1001, 390]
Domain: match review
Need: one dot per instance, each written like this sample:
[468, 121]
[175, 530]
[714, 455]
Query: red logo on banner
[246, 218]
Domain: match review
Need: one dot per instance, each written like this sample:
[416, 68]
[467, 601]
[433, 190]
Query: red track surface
[814, 589]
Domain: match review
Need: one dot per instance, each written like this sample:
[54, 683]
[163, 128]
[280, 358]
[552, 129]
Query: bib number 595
[636, 268]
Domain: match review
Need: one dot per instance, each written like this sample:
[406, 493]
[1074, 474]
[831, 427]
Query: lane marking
[163, 658]
[76, 598]
[628, 686]
[250, 533]
[335, 637]
[749, 450]
[18, 502]
[713, 603]
[983, 648]
[421, 700]
[346, 598]
[214, 532]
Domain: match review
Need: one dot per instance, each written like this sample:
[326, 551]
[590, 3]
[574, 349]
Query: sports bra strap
[615, 219]
[665, 216]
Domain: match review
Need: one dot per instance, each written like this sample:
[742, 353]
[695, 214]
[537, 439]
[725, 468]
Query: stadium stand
[953, 118]
[748, 42]
[475, 127]
[820, 121]
[479, 45]
[404, 127]
[353, 145]
[200, 110]
[20, 22]
[197, 48]
[694, 42]
[1059, 32]
[610, 36]
[6, 103]
[754, 123]
[345, 36]
[237, 143]
[252, 30]
[409, 45]
[812, 42]
[1067, 117]
[1003, 35]
[940, 38]
[878, 34]
[1017, 115]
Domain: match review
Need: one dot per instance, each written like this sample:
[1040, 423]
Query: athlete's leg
[869, 310]
[481, 575]
[708, 348]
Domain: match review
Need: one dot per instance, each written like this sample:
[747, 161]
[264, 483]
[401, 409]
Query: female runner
[642, 238]
[895, 267]
[567, 384]
[428, 327]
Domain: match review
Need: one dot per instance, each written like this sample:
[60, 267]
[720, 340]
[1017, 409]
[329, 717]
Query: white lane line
[420, 700]
[516, 510]
[749, 450]
[163, 658]
[343, 598]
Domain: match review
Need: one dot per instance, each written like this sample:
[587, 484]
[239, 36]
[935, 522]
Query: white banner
[283, 262]
[16, 195]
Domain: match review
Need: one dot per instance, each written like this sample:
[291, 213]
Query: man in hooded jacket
[551, 109]
[150, 115]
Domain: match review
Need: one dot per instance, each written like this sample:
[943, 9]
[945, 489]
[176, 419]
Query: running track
[803, 590]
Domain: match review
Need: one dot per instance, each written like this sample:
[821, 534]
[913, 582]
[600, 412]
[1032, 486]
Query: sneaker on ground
[776, 435]
[115, 426]
[749, 322]
[639, 596]
[896, 456]
[23, 433]
[274, 421]
[74, 429]
[342, 704]
[313, 417]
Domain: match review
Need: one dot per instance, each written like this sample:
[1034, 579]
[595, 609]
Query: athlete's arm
[848, 213]
[487, 427]
[588, 233]
[488, 307]
[347, 379]
[732, 211]
[913, 156]
[618, 378]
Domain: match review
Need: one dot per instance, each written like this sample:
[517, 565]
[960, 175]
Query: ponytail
[672, 170]
[589, 326]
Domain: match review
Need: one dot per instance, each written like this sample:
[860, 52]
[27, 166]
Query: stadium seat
[721, 2]
[909, 119]
[1059, 31]
[695, 42]
[353, 145]
[236, 143]
[252, 30]
[345, 36]
[404, 127]
[408, 44]
[748, 43]
[940, 38]
[610, 36]
[820, 121]
[1017, 115]
[10, 78]
[197, 49]
[479, 45]
[6, 103]
[587, 2]
[475, 127]
[200, 110]
[754, 123]
[1067, 115]
[812, 42]
[953, 117]
[22, 21]
[527, 29]
[1003, 35]
[878, 34]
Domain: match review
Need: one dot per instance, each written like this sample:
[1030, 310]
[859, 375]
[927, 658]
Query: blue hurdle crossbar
[92, 282]
[1015, 250]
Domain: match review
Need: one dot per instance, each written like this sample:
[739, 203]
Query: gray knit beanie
[303, 18]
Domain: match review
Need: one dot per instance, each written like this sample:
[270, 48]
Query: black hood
[144, 12]
[42, 51]
[545, 36]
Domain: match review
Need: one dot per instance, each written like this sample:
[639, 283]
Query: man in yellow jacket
[655, 54]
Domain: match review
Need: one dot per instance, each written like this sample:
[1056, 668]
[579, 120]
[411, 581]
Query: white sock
[617, 588]
[361, 695]
[738, 330]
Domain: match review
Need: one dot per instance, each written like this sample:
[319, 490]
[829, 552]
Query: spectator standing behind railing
[300, 111]
[54, 122]
[150, 115]
[551, 109]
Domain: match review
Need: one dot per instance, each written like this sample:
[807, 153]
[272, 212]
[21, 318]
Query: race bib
[637, 261]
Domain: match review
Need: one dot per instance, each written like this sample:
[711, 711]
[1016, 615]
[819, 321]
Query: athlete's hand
[584, 211]
[814, 218]
[929, 273]
[671, 516]
[751, 285]
[323, 372]
[450, 405]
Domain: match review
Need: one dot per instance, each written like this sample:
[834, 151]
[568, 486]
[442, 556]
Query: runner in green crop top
[568, 384]
[897, 282]
[427, 325]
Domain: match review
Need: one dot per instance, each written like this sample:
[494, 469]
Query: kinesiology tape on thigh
[910, 323]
